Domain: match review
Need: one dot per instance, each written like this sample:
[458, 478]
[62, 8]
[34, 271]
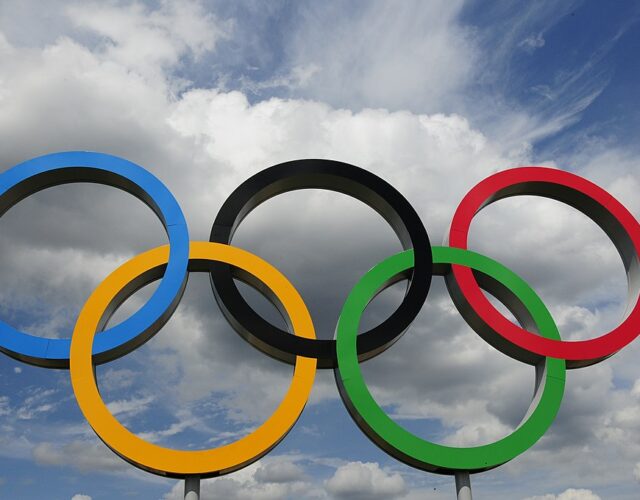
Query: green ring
[412, 449]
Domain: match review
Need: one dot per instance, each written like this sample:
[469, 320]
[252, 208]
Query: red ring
[593, 201]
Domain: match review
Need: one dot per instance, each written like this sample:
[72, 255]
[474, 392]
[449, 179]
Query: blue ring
[79, 166]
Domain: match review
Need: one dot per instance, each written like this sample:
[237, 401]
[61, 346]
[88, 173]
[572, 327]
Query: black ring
[342, 178]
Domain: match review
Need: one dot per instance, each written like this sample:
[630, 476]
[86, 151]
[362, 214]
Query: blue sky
[433, 97]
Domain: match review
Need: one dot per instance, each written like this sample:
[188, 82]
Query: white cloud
[533, 42]
[250, 484]
[570, 494]
[130, 407]
[409, 55]
[146, 40]
[41, 401]
[117, 379]
[279, 471]
[426, 57]
[80, 496]
[358, 480]
[184, 422]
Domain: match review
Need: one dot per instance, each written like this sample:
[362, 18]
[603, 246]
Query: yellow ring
[180, 463]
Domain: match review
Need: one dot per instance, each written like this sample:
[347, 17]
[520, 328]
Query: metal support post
[192, 488]
[463, 485]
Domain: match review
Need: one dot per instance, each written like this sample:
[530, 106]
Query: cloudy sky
[432, 96]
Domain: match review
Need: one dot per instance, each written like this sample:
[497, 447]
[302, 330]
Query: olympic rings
[178, 463]
[537, 342]
[79, 166]
[334, 176]
[593, 201]
[400, 443]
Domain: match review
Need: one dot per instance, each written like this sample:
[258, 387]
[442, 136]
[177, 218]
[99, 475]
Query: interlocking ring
[132, 276]
[579, 193]
[334, 176]
[79, 166]
[394, 439]
[536, 342]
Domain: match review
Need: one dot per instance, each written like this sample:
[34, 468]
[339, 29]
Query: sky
[431, 96]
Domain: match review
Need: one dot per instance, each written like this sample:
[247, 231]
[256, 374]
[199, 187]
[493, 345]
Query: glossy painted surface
[39, 173]
[399, 442]
[579, 193]
[180, 463]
